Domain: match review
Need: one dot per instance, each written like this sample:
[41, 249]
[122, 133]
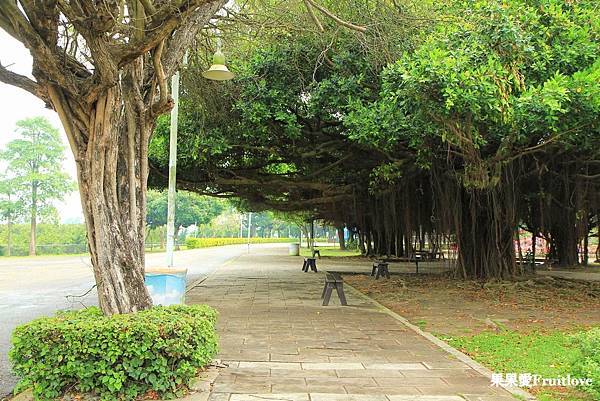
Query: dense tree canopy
[429, 125]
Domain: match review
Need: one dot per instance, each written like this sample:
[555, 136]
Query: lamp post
[218, 71]
[249, 229]
[167, 286]
[172, 170]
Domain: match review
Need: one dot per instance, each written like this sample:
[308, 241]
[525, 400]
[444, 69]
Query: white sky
[17, 104]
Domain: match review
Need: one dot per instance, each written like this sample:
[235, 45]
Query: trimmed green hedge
[192, 243]
[587, 364]
[116, 357]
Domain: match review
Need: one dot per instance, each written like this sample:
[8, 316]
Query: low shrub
[116, 357]
[192, 243]
[587, 363]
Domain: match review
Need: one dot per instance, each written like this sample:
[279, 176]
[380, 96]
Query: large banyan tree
[459, 125]
[104, 66]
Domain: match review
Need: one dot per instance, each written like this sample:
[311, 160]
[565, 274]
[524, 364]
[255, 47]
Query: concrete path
[281, 344]
[589, 274]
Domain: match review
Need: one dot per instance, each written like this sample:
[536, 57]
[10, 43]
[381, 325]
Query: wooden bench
[415, 259]
[380, 268]
[309, 262]
[333, 280]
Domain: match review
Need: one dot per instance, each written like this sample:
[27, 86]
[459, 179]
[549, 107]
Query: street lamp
[167, 286]
[218, 71]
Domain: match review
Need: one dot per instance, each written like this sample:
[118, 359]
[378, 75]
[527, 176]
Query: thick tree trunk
[112, 173]
[33, 224]
[162, 236]
[565, 245]
[585, 257]
[341, 238]
[108, 106]
[8, 235]
[563, 235]
[176, 236]
[485, 238]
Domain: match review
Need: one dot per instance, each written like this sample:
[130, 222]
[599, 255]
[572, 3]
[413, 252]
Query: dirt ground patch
[446, 306]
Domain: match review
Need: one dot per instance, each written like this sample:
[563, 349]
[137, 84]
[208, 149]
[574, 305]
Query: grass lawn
[331, 252]
[548, 354]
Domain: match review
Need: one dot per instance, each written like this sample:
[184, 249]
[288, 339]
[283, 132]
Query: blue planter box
[166, 285]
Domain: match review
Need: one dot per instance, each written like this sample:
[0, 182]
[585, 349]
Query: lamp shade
[218, 70]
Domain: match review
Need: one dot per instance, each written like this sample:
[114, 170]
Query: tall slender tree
[104, 68]
[35, 161]
[11, 207]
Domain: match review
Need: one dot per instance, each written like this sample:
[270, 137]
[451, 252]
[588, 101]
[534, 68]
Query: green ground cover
[331, 252]
[192, 243]
[546, 353]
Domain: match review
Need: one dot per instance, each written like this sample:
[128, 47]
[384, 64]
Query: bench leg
[373, 271]
[324, 289]
[328, 289]
[339, 287]
[387, 272]
[378, 273]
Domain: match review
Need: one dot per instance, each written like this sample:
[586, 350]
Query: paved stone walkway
[589, 274]
[281, 344]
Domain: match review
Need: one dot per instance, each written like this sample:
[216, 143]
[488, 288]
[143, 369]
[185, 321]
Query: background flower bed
[116, 357]
[192, 243]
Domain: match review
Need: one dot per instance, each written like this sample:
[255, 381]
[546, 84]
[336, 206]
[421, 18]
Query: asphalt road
[37, 286]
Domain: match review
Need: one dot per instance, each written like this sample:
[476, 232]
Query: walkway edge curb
[442, 344]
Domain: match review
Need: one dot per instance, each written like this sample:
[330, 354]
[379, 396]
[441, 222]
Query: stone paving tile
[369, 373]
[332, 366]
[424, 398]
[444, 365]
[466, 373]
[323, 388]
[218, 396]
[279, 343]
[333, 381]
[270, 365]
[347, 397]
[386, 390]
[304, 373]
[410, 381]
[396, 366]
[276, 396]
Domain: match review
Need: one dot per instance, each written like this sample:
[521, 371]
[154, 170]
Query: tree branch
[21, 81]
[336, 18]
[164, 23]
[178, 43]
[311, 12]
